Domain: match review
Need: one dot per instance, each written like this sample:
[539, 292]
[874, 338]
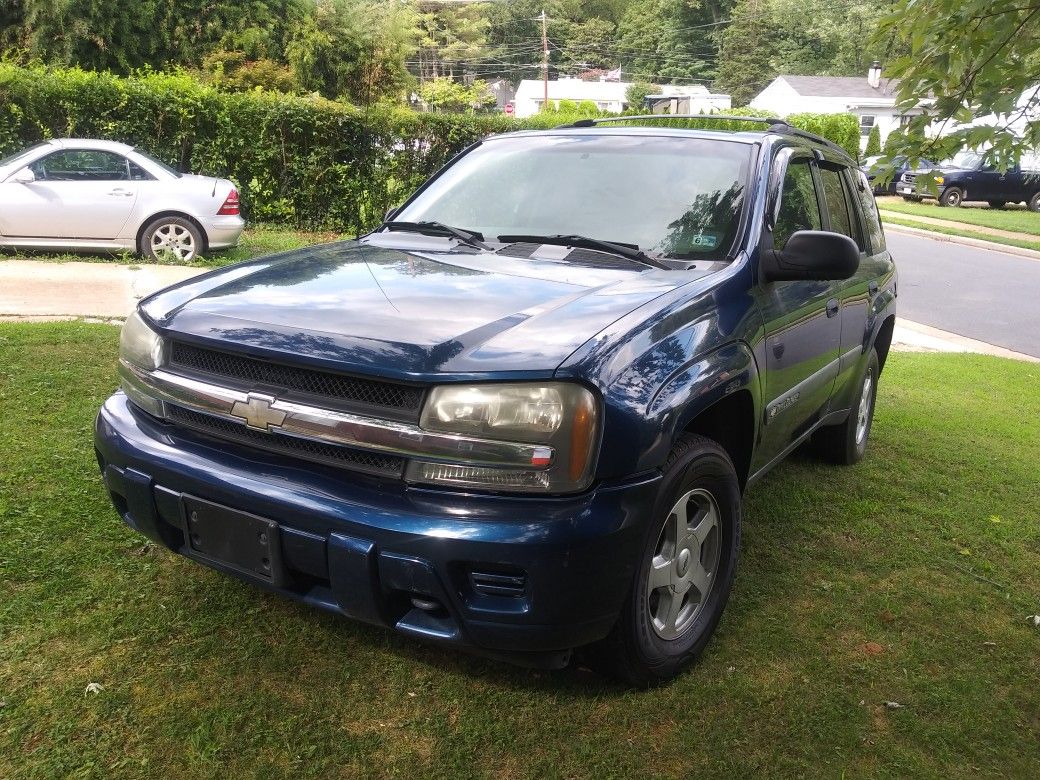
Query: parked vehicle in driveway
[968, 177]
[102, 195]
[900, 165]
[518, 418]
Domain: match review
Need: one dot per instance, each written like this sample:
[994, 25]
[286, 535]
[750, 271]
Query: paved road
[979, 293]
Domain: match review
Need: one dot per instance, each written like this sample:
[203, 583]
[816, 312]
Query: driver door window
[82, 165]
[799, 209]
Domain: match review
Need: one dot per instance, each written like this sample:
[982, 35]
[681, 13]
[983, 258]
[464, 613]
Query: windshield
[677, 197]
[969, 160]
[17, 156]
[140, 153]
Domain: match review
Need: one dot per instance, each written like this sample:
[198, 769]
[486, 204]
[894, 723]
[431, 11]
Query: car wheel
[997, 204]
[951, 196]
[684, 572]
[171, 239]
[846, 444]
[1034, 202]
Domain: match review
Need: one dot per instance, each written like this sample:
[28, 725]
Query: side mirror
[24, 176]
[812, 254]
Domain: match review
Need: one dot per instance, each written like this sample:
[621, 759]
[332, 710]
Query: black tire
[997, 204]
[952, 197]
[1034, 202]
[171, 239]
[842, 444]
[635, 651]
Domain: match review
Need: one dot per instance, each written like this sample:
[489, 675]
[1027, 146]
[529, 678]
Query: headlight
[939, 179]
[140, 348]
[139, 345]
[559, 415]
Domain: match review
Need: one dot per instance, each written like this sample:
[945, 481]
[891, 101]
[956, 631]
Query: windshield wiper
[628, 252]
[469, 237]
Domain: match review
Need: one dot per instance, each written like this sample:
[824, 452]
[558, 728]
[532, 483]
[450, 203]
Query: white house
[679, 99]
[609, 96]
[870, 97]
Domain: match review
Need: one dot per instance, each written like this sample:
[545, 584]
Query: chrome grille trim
[333, 427]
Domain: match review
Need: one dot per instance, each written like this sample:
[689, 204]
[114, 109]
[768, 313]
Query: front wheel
[171, 239]
[684, 572]
[951, 196]
[846, 444]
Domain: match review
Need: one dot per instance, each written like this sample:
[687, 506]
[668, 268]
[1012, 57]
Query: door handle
[124, 193]
[832, 307]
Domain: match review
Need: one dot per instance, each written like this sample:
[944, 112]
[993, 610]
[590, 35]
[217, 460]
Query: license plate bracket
[240, 540]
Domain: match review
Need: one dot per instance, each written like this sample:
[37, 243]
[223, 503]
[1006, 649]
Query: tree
[669, 40]
[444, 94]
[978, 60]
[873, 142]
[745, 65]
[234, 70]
[353, 49]
[451, 35]
[638, 90]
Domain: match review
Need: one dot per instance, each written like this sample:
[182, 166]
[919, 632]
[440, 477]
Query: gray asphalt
[979, 293]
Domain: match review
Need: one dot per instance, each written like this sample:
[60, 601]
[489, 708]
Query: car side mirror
[24, 176]
[812, 254]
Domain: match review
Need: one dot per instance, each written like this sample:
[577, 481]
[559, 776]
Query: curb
[914, 337]
[1029, 254]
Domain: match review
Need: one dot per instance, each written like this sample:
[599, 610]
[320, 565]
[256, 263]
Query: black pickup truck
[968, 177]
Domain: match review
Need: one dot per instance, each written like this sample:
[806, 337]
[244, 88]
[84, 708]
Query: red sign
[509, 109]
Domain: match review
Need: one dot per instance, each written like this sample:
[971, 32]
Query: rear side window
[799, 209]
[871, 220]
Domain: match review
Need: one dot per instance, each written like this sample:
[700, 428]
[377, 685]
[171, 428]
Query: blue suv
[518, 417]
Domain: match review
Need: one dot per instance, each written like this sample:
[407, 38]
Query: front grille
[344, 457]
[908, 178]
[399, 399]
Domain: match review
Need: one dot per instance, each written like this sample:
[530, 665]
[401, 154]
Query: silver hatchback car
[103, 195]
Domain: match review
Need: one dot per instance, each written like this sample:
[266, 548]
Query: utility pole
[545, 66]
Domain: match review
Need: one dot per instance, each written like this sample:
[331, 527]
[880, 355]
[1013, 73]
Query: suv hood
[411, 307]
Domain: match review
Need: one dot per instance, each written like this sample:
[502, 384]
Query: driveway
[983, 294]
[32, 290]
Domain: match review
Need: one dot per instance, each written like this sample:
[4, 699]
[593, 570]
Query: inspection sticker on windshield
[704, 241]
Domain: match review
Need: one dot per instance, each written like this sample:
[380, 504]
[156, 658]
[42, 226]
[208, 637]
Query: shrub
[873, 142]
[298, 160]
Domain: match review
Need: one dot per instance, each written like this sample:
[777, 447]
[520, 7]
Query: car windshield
[968, 160]
[141, 153]
[17, 156]
[671, 196]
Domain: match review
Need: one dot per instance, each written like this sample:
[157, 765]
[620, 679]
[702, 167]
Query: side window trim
[856, 209]
[786, 157]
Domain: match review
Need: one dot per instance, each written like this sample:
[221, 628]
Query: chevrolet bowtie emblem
[257, 412]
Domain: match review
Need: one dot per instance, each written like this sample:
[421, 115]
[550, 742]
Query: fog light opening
[426, 604]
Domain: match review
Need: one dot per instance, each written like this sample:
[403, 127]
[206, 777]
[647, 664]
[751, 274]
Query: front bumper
[223, 232]
[365, 549]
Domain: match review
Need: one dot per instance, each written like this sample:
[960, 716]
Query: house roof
[841, 86]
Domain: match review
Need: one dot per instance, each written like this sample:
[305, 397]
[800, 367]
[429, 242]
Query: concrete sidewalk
[32, 289]
[38, 291]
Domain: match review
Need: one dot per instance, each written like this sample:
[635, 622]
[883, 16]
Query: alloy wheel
[863, 414]
[173, 240]
[683, 569]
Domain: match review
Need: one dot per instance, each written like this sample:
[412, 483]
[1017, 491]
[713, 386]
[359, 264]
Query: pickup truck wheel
[684, 572]
[1034, 202]
[951, 196]
[846, 444]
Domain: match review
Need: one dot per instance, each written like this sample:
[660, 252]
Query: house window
[905, 120]
[866, 122]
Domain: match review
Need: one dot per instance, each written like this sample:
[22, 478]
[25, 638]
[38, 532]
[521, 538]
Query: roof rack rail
[593, 121]
[775, 125]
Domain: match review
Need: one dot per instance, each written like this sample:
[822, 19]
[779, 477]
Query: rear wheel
[846, 444]
[997, 204]
[951, 196]
[1034, 202]
[171, 240]
[685, 569]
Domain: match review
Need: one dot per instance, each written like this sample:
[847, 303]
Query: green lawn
[1014, 218]
[967, 232]
[906, 579]
[256, 241]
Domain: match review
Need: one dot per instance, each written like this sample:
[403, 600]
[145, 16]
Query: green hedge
[297, 160]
